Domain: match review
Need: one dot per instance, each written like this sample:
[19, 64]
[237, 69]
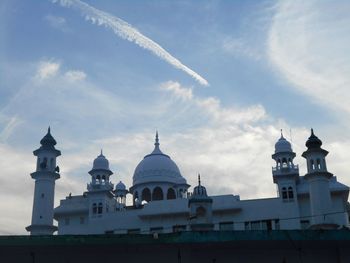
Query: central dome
[157, 167]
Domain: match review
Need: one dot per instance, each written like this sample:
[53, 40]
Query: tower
[318, 179]
[200, 204]
[44, 191]
[100, 189]
[285, 173]
[120, 195]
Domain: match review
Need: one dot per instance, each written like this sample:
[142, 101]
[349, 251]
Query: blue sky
[269, 65]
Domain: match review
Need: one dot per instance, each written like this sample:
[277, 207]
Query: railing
[287, 169]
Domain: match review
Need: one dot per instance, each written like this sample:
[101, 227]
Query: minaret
[120, 195]
[318, 179]
[100, 174]
[100, 189]
[200, 204]
[44, 191]
[285, 173]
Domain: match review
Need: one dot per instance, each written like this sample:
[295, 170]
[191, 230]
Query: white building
[162, 202]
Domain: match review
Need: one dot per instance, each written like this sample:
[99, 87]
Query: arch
[312, 164]
[98, 179]
[290, 193]
[146, 195]
[284, 193]
[136, 196]
[171, 194]
[278, 163]
[103, 179]
[99, 208]
[200, 211]
[157, 193]
[284, 163]
[94, 208]
[318, 164]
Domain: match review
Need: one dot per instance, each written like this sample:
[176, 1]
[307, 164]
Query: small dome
[48, 140]
[282, 145]
[157, 167]
[120, 186]
[199, 190]
[100, 163]
[313, 142]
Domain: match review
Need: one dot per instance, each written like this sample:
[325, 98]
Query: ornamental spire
[199, 179]
[282, 133]
[157, 140]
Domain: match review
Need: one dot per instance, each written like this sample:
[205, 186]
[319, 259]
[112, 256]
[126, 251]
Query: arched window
[146, 195]
[103, 179]
[136, 196]
[284, 163]
[94, 208]
[98, 179]
[157, 194]
[171, 194]
[290, 193]
[318, 164]
[290, 162]
[312, 164]
[284, 193]
[279, 163]
[200, 211]
[99, 208]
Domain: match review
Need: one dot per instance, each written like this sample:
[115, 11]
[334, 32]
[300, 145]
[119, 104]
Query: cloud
[75, 75]
[57, 22]
[47, 69]
[308, 43]
[238, 47]
[11, 124]
[128, 32]
[177, 90]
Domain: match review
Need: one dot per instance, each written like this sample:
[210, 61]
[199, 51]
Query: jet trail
[126, 31]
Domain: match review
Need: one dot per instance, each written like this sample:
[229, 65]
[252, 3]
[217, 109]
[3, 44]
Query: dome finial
[48, 130]
[157, 140]
[199, 179]
[282, 133]
[101, 154]
[312, 131]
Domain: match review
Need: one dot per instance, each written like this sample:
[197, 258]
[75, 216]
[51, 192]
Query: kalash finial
[282, 133]
[312, 131]
[48, 130]
[157, 140]
[199, 179]
[101, 154]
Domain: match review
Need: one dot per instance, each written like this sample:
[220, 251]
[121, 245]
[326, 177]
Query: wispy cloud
[57, 22]
[128, 32]
[309, 44]
[238, 47]
[75, 75]
[9, 127]
[47, 69]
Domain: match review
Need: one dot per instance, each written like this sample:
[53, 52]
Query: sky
[218, 80]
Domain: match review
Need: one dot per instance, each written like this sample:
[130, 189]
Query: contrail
[126, 31]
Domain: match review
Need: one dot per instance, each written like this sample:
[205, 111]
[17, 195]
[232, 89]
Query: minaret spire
[157, 140]
[199, 179]
[48, 130]
[282, 133]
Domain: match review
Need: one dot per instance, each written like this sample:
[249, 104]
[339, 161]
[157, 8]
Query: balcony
[285, 170]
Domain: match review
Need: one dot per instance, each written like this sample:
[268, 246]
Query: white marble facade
[163, 203]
